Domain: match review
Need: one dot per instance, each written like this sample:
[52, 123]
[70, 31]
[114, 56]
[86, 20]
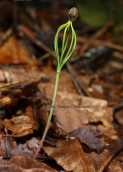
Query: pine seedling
[61, 60]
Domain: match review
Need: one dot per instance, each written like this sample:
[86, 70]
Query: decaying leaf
[70, 156]
[91, 136]
[18, 125]
[20, 74]
[41, 109]
[71, 116]
[33, 144]
[41, 117]
[15, 168]
[98, 160]
[25, 149]
[12, 52]
[30, 115]
[28, 163]
[7, 101]
[24, 164]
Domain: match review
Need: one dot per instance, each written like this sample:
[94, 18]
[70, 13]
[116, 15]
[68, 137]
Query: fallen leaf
[41, 117]
[5, 101]
[91, 136]
[18, 125]
[27, 121]
[41, 109]
[24, 164]
[98, 160]
[21, 74]
[15, 168]
[30, 115]
[72, 117]
[28, 163]
[12, 52]
[65, 81]
[70, 156]
[119, 116]
[24, 149]
[33, 144]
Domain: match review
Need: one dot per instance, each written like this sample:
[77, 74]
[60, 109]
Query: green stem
[50, 115]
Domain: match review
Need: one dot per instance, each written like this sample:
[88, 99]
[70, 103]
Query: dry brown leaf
[18, 125]
[98, 160]
[73, 117]
[115, 166]
[119, 116]
[28, 163]
[65, 81]
[33, 144]
[70, 156]
[21, 74]
[42, 117]
[40, 110]
[12, 52]
[27, 149]
[7, 101]
[24, 164]
[91, 136]
[15, 168]
[29, 114]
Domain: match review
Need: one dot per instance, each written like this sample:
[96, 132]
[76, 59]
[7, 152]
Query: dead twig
[73, 78]
[5, 36]
[16, 136]
[96, 42]
[7, 144]
[77, 83]
[99, 42]
[115, 152]
[117, 107]
[30, 35]
[97, 35]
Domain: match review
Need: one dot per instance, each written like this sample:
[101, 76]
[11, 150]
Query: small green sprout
[61, 60]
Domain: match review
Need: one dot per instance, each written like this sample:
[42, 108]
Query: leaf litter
[91, 136]
[79, 139]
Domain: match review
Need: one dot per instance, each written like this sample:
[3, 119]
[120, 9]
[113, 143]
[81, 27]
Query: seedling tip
[73, 14]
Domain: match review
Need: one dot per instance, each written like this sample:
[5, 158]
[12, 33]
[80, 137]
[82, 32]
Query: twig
[77, 81]
[103, 30]
[117, 107]
[73, 78]
[5, 36]
[115, 152]
[97, 42]
[30, 35]
[83, 88]
[7, 144]
[97, 35]
[116, 72]
[16, 136]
